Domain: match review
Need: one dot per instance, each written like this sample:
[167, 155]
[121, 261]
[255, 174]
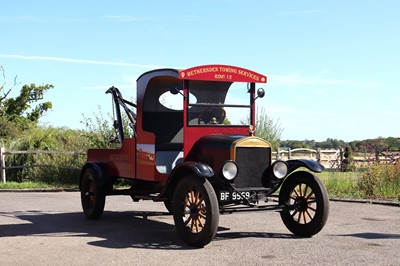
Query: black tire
[306, 204]
[93, 196]
[195, 210]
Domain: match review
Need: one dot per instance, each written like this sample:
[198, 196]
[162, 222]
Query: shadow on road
[236, 235]
[369, 235]
[114, 230]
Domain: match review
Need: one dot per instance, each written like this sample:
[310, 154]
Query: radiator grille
[252, 162]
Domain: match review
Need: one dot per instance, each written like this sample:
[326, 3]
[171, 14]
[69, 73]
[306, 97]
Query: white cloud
[80, 61]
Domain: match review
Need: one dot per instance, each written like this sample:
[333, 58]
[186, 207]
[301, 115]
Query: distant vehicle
[200, 155]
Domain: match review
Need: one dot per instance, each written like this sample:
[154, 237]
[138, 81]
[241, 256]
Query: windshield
[218, 103]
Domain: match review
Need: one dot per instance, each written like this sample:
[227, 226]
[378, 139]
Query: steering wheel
[212, 115]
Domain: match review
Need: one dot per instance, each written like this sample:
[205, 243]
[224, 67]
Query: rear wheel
[306, 204]
[93, 195]
[195, 210]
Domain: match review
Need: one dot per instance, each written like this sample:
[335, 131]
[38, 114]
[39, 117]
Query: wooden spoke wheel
[196, 211]
[306, 204]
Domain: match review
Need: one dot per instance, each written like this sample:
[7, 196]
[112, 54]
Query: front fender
[309, 164]
[200, 170]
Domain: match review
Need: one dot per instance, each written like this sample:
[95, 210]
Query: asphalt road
[50, 229]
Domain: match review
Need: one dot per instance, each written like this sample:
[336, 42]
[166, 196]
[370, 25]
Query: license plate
[234, 195]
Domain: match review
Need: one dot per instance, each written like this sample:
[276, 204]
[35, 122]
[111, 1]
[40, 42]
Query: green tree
[21, 107]
[25, 109]
[375, 146]
[393, 143]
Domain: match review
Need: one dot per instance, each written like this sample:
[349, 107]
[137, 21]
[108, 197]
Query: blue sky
[333, 67]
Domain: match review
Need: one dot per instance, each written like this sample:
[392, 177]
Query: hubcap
[303, 202]
[90, 195]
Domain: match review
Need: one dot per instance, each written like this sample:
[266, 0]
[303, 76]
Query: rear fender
[200, 170]
[98, 168]
[309, 164]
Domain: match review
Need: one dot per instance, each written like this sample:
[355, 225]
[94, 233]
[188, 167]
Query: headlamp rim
[224, 170]
[274, 171]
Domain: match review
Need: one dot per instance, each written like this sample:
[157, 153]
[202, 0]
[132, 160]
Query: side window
[171, 101]
[174, 101]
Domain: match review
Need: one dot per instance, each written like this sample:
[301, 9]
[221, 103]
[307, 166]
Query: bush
[47, 138]
[381, 181]
[100, 131]
[347, 163]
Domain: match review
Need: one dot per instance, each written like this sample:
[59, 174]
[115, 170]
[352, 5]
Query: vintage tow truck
[199, 154]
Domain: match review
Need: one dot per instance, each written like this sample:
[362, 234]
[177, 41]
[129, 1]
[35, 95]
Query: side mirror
[260, 93]
[175, 90]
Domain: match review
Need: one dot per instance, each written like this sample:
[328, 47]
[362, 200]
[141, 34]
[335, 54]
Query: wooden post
[341, 157]
[2, 165]
[289, 155]
[278, 150]
[319, 155]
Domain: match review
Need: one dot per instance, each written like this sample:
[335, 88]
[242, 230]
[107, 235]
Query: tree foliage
[100, 129]
[267, 128]
[375, 146]
[17, 113]
[22, 107]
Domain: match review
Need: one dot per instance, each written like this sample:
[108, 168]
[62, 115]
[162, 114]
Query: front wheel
[195, 210]
[93, 195]
[306, 204]
[168, 205]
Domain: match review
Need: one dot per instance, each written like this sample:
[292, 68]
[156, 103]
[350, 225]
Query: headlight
[229, 170]
[280, 169]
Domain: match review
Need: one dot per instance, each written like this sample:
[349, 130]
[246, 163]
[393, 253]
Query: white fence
[333, 158]
[328, 158]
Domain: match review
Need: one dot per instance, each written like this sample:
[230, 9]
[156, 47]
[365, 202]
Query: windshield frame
[193, 109]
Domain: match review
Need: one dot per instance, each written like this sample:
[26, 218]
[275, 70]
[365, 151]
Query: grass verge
[352, 185]
[35, 185]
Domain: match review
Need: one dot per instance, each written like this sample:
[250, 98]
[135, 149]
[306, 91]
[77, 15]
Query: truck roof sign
[221, 73]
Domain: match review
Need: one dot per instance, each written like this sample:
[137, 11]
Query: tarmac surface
[49, 228]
